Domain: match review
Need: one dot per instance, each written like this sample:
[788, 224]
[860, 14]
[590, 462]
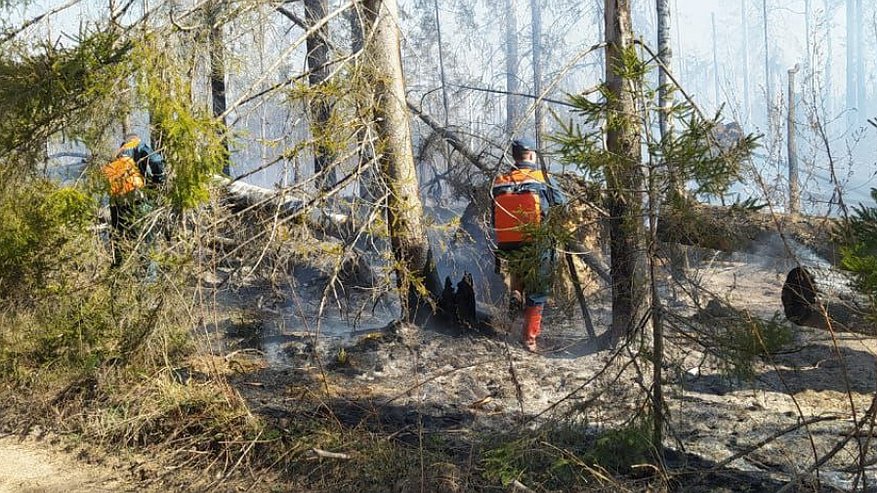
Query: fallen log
[737, 229]
[244, 198]
[824, 299]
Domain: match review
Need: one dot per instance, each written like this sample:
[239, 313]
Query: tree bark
[416, 274]
[852, 43]
[861, 95]
[808, 32]
[624, 178]
[217, 76]
[318, 71]
[665, 54]
[792, 145]
[716, 84]
[829, 55]
[441, 55]
[768, 83]
[536, 16]
[511, 67]
[747, 89]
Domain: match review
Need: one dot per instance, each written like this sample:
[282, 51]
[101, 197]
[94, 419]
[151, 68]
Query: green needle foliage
[189, 137]
[859, 251]
[692, 151]
[49, 88]
[40, 228]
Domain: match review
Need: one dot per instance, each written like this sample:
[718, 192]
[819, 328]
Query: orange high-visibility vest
[122, 173]
[516, 204]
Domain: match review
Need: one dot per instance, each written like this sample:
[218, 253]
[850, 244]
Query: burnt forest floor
[388, 407]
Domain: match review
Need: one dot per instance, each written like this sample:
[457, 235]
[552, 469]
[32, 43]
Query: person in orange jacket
[522, 197]
[135, 169]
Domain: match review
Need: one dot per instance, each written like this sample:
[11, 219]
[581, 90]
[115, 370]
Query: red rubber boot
[532, 326]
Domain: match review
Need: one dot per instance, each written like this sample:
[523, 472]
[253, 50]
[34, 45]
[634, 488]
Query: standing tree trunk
[852, 43]
[808, 32]
[861, 95]
[794, 194]
[320, 109]
[511, 67]
[665, 55]
[415, 271]
[601, 13]
[665, 94]
[829, 48]
[446, 147]
[536, 14]
[357, 38]
[441, 56]
[623, 176]
[680, 55]
[716, 84]
[768, 83]
[747, 88]
[217, 76]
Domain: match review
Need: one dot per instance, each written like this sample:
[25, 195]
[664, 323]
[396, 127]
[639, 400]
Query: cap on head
[521, 146]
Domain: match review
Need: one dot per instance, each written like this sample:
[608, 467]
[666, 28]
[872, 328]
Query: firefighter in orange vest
[135, 170]
[522, 197]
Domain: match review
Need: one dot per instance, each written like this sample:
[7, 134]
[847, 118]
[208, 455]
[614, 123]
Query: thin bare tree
[747, 88]
[852, 44]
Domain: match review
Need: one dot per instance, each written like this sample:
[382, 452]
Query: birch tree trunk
[536, 15]
[665, 55]
[217, 75]
[624, 178]
[318, 71]
[511, 67]
[416, 274]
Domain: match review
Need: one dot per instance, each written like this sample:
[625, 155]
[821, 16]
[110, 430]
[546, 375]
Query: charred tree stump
[458, 305]
[799, 299]
[814, 301]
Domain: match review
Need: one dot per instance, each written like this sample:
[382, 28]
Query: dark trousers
[531, 281]
[125, 223]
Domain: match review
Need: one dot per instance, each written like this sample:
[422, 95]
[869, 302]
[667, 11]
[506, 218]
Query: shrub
[39, 224]
[858, 238]
[746, 340]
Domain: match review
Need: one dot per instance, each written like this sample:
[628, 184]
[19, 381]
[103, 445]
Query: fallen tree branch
[525, 95]
[451, 137]
[329, 455]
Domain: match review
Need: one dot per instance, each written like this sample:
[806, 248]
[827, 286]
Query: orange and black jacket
[524, 177]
